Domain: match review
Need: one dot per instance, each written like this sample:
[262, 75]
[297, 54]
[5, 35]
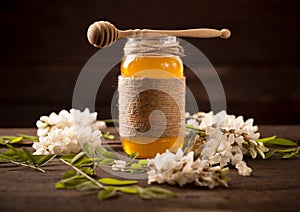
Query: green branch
[85, 175]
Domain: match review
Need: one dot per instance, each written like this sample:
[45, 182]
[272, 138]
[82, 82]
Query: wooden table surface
[274, 186]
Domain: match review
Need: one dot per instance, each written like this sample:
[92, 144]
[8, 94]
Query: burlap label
[151, 107]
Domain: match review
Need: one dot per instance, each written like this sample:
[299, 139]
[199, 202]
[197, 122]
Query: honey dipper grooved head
[225, 33]
[102, 33]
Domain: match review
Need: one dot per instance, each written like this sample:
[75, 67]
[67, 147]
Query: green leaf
[292, 154]
[110, 155]
[68, 174]
[108, 136]
[30, 156]
[16, 140]
[266, 139]
[82, 160]
[5, 158]
[128, 190]
[286, 150]
[134, 155]
[74, 180]
[85, 186]
[146, 195]
[283, 142]
[68, 157]
[279, 141]
[143, 162]
[85, 162]
[135, 168]
[45, 159]
[287, 156]
[95, 160]
[70, 183]
[9, 153]
[77, 157]
[3, 141]
[29, 137]
[60, 185]
[21, 155]
[270, 153]
[100, 150]
[2, 160]
[106, 161]
[84, 174]
[155, 192]
[107, 193]
[116, 182]
[7, 137]
[88, 170]
[88, 150]
[25, 158]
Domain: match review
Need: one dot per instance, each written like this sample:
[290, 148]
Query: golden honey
[151, 66]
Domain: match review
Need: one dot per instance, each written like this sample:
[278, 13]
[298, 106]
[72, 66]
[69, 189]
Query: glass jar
[155, 59]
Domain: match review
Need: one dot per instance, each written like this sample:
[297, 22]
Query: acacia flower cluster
[227, 139]
[182, 169]
[221, 139]
[62, 133]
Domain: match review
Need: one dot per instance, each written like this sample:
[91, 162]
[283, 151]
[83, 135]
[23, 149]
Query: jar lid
[153, 44]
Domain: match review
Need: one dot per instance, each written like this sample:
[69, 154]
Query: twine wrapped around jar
[151, 107]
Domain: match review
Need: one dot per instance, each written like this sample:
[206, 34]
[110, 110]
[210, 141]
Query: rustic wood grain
[274, 186]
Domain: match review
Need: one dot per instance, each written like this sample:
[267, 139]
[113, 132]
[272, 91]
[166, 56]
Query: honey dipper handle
[194, 33]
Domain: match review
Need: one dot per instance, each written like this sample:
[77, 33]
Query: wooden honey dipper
[102, 33]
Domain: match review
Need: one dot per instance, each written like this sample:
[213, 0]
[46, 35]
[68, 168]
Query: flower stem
[27, 165]
[85, 175]
[200, 132]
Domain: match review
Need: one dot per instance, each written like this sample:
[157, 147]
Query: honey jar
[152, 80]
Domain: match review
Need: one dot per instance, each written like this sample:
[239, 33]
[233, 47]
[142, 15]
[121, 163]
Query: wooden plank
[274, 186]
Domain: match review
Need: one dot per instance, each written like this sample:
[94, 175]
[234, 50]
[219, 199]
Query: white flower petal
[187, 115]
[41, 124]
[179, 154]
[243, 169]
[100, 125]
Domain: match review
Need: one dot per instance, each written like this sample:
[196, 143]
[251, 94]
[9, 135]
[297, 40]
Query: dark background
[44, 47]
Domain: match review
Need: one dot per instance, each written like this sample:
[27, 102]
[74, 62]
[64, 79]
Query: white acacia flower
[218, 147]
[101, 125]
[187, 115]
[88, 135]
[119, 165]
[63, 133]
[84, 118]
[227, 138]
[237, 155]
[67, 140]
[57, 141]
[243, 169]
[183, 169]
[206, 119]
[66, 119]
